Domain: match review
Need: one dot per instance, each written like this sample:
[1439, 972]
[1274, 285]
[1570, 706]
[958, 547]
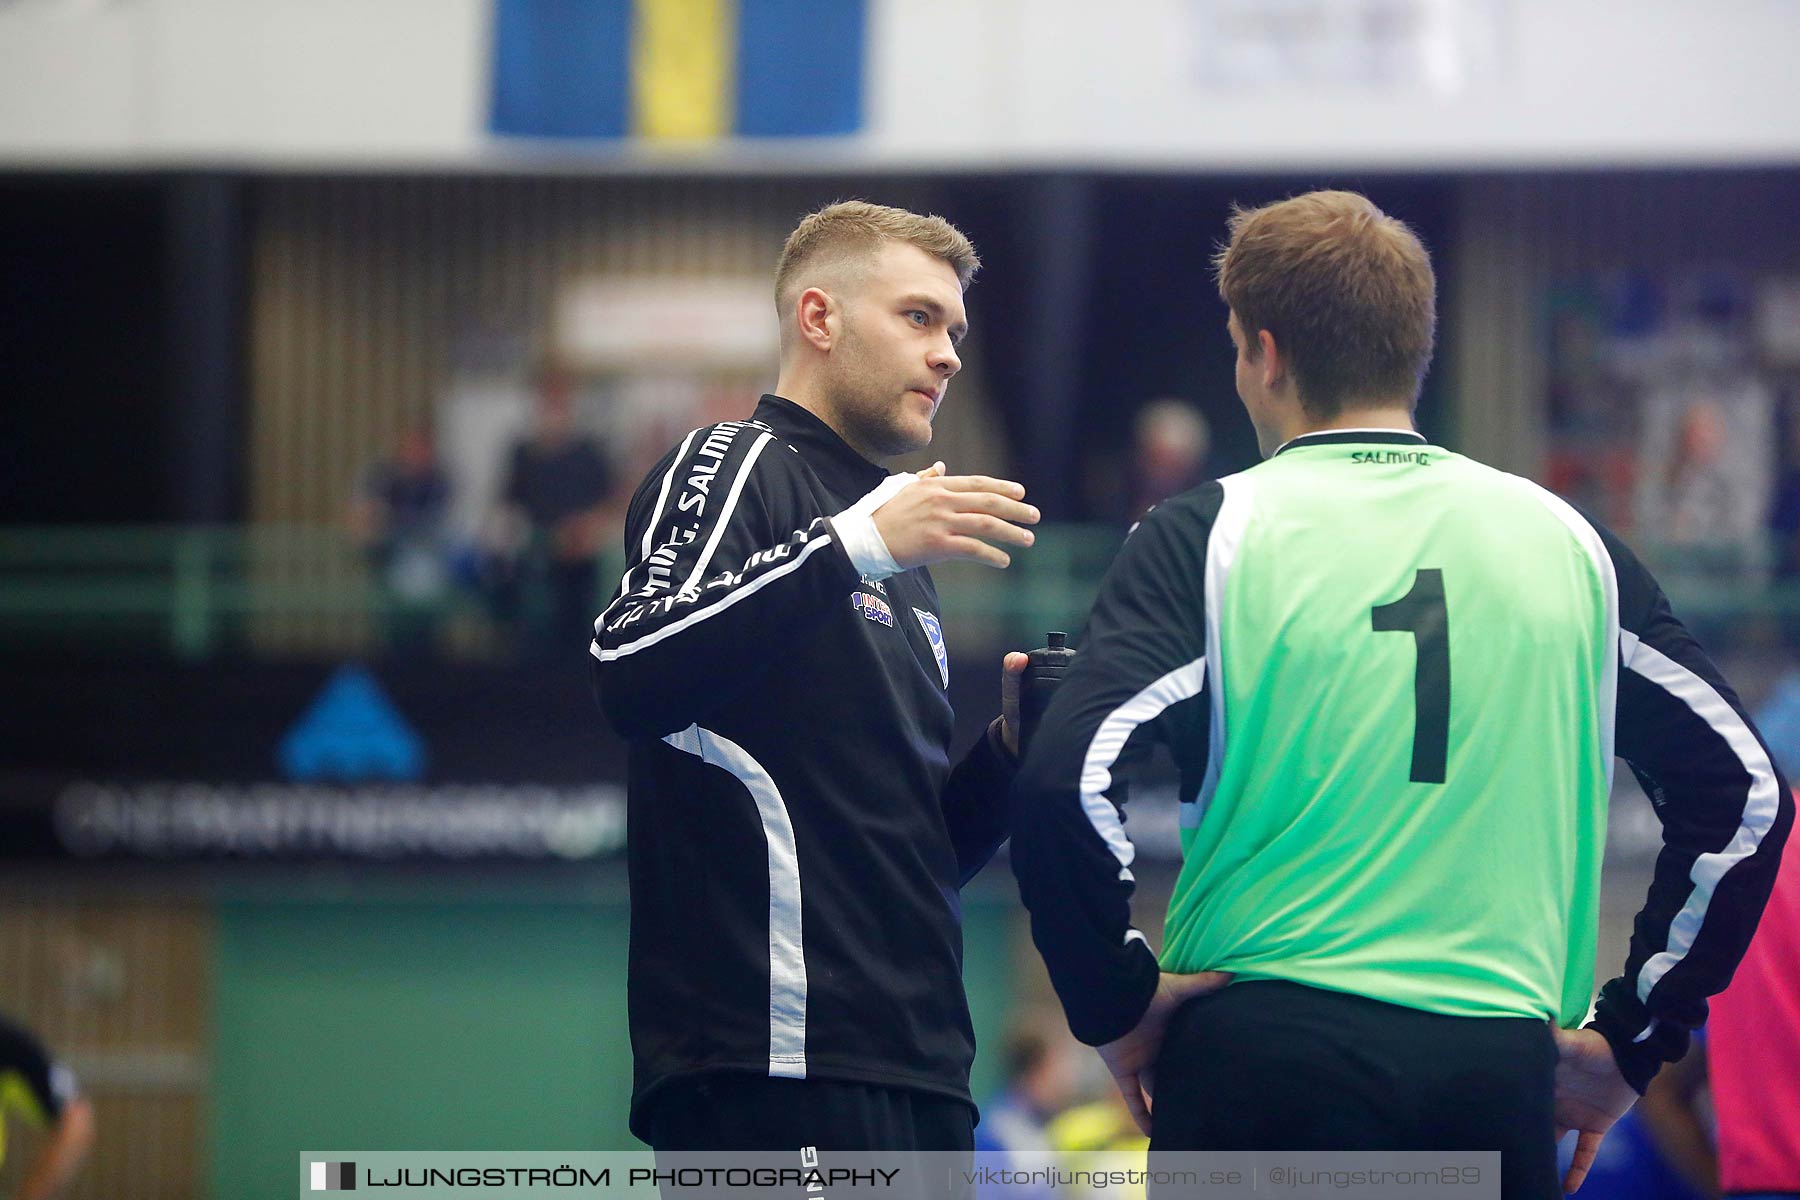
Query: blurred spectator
[399, 515]
[1586, 401]
[1086, 1136]
[1598, 329]
[1754, 1043]
[1170, 453]
[555, 520]
[43, 1093]
[1663, 1148]
[1706, 464]
[1041, 1069]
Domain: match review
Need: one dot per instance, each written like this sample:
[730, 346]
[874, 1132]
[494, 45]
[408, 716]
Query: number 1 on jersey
[1421, 612]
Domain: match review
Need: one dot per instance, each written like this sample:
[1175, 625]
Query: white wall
[160, 82]
[1552, 81]
[971, 82]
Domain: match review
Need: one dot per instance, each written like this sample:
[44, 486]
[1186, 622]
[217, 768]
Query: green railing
[193, 591]
[190, 584]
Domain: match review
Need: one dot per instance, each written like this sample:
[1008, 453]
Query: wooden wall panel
[118, 989]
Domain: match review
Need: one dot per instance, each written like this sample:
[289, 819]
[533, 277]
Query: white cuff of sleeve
[856, 530]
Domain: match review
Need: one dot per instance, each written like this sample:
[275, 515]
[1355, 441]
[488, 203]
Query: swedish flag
[678, 70]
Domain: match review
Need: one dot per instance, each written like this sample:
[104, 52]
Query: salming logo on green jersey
[1384, 457]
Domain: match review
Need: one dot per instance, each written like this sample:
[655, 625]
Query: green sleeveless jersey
[1394, 681]
[1378, 614]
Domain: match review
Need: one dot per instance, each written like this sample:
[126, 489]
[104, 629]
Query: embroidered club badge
[934, 633]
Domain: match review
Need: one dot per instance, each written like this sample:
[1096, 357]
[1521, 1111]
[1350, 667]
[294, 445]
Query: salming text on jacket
[796, 833]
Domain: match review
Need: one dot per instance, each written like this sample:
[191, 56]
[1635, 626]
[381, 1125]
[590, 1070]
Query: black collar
[838, 466]
[1333, 437]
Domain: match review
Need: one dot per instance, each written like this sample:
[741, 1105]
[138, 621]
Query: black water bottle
[1042, 677]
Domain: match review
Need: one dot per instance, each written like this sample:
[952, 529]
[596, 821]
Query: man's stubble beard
[869, 407]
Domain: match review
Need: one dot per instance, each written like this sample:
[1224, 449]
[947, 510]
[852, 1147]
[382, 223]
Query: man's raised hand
[941, 517]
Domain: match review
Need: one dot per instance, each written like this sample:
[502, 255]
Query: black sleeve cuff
[976, 803]
[986, 772]
[840, 554]
[1620, 1017]
[1095, 1022]
[1006, 759]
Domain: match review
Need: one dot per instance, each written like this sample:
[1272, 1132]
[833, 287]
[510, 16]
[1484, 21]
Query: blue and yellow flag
[681, 70]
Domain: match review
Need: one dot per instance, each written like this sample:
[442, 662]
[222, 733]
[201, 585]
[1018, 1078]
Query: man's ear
[1274, 363]
[815, 318]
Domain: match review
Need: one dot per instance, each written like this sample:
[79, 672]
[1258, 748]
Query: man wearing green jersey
[1394, 681]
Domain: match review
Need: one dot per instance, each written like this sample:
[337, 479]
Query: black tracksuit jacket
[797, 836]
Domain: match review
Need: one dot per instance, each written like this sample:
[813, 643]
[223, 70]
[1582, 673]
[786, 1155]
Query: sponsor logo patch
[873, 607]
[934, 633]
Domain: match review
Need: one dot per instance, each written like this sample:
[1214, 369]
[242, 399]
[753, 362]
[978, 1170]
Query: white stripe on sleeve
[1589, 538]
[1109, 741]
[730, 598]
[1761, 804]
[1221, 552]
[662, 499]
[698, 574]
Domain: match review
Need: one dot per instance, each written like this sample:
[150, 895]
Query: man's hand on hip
[1132, 1058]
[940, 517]
[1590, 1096]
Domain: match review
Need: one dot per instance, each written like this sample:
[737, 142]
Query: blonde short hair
[1346, 290]
[856, 228]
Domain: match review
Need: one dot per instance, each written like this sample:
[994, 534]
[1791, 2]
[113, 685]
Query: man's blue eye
[922, 318]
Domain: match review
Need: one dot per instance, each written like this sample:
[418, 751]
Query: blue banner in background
[800, 67]
[562, 68]
[678, 70]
